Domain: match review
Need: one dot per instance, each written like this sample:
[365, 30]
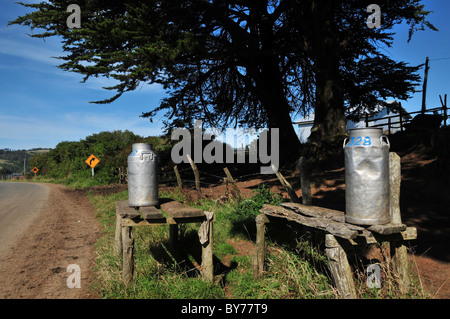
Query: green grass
[295, 269]
[69, 181]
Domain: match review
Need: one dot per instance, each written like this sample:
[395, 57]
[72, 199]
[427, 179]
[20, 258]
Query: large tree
[244, 63]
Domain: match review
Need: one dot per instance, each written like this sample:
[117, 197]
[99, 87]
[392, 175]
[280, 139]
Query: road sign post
[92, 161]
[35, 170]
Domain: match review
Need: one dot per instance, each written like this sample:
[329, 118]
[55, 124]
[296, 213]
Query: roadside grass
[72, 181]
[296, 268]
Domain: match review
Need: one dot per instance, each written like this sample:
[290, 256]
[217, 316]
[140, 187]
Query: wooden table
[338, 232]
[168, 212]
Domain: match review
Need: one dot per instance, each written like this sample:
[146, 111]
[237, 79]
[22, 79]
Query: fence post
[401, 120]
[177, 174]
[237, 192]
[305, 181]
[288, 187]
[444, 108]
[196, 173]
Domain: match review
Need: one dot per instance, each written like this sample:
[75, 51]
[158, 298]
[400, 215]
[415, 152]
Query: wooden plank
[126, 211]
[387, 229]
[151, 212]
[316, 211]
[333, 227]
[176, 209]
[410, 233]
[323, 218]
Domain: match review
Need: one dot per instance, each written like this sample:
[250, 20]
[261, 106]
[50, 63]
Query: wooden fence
[398, 121]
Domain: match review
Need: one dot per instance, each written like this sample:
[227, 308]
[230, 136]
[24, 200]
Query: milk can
[142, 176]
[366, 177]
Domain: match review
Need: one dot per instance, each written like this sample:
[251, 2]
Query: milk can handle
[146, 152]
[345, 141]
[387, 140]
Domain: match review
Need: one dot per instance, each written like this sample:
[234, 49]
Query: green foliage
[66, 162]
[243, 213]
[12, 161]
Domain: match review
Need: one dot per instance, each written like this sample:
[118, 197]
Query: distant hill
[11, 161]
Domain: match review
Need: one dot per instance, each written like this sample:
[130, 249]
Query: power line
[440, 59]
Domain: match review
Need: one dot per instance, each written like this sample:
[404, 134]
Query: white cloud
[17, 132]
[30, 50]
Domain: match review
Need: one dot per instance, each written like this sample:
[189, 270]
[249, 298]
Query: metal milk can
[142, 176]
[367, 177]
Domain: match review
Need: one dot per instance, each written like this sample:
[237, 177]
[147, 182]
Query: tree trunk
[269, 87]
[271, 93]
[329, 120]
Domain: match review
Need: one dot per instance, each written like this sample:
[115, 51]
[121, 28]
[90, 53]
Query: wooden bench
[168, 212]
[338, 232]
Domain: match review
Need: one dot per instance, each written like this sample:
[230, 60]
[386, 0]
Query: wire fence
[206, 178]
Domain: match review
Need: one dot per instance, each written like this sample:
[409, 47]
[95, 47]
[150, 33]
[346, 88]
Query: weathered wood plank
[410, 233]
[126, 211]
[333, 227]
[151, 212]
[387, 229]
[323, 218]
[176, 209]
[316, 211]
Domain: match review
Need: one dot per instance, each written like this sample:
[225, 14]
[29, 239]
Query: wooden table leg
[399, 253]
[260, 246]
[207, 255]
[118, 235]
[340, 268]
[400, 265]
[173, 236]
[128, 254]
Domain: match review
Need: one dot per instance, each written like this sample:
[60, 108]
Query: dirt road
[45, 228]
[20, 203]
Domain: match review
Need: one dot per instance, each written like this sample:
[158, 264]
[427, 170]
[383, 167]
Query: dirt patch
[62, 235]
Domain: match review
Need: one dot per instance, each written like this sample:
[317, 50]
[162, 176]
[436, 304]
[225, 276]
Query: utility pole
[424, 91]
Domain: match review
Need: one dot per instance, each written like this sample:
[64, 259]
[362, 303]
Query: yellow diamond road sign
[92, 161]
[35, 170]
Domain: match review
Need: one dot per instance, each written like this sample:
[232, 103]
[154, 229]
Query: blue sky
[41, 105]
